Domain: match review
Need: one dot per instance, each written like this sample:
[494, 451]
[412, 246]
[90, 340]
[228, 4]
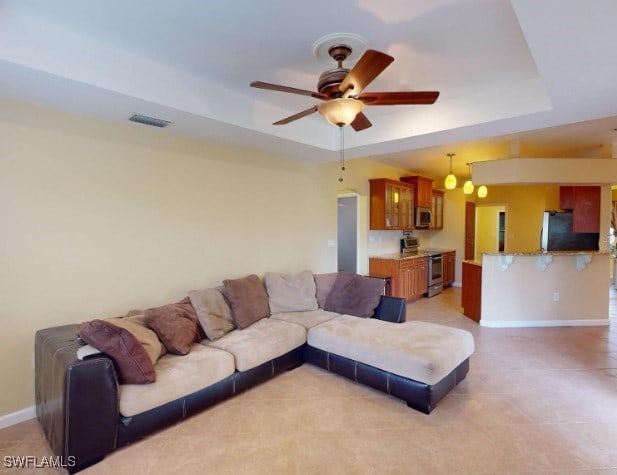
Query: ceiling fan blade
[361, 122]
[293, 90]
[297, 116]
[370, 65]
[396, 98]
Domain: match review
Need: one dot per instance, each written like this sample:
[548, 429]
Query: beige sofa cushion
[422, 351]
[177, 376]
[323, 286]
[213, 312]
[264, 340]
[291, 292]
[307, 319]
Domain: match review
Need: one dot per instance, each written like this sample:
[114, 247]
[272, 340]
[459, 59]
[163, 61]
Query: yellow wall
[99, 218]
[487, 220]
[524, 207]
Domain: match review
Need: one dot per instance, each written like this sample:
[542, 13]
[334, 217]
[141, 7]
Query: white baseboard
[17, 417]
[544, 323]
[457, 284]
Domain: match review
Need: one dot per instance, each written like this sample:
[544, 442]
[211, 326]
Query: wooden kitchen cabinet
[436, 209]
[409, 275]
[448, 265]
[584, 201]
[471, 296]
[392, 204]
[423, 187]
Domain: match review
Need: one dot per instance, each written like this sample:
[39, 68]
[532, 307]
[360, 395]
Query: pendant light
[482, 191]
[468, 186]
[450, 182]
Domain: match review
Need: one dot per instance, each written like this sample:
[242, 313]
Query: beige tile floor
[535, 401]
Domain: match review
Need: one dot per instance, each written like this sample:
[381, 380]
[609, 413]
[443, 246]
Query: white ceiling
[505, 69]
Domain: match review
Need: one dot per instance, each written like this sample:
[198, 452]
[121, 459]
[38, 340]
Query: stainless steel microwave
[423, 217]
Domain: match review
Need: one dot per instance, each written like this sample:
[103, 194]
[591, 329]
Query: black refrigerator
[557, 234]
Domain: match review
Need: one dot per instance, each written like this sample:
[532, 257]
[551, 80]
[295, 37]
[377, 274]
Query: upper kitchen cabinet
[584, 201]
[392, 204]
[436, 209]
[423, 187]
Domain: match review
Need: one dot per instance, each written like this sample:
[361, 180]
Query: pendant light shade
[482, 191]
[468, 186]
[450, 182]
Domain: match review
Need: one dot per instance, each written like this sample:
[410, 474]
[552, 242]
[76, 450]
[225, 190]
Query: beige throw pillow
[213, 312]
[291, 292]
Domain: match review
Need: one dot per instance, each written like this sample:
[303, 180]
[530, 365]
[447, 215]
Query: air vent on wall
[144, 119]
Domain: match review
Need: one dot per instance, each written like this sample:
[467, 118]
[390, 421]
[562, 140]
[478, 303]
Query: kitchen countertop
[473, 262]
[407, 255]
[549, 253]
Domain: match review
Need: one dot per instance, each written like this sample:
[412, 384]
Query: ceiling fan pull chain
[342, 155]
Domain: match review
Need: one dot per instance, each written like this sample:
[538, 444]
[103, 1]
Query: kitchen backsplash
[387, 242]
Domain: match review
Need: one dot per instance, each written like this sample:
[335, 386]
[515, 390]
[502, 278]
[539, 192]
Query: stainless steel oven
[435, 274]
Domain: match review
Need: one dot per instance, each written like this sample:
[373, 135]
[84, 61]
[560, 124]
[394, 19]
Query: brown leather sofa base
[420, 396]
[77, 400]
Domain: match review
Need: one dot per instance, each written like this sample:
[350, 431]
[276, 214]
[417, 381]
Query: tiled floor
[538, 400]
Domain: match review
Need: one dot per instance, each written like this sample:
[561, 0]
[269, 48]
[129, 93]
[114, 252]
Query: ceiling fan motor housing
[329, 82]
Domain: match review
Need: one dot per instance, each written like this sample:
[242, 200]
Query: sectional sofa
[106, 383]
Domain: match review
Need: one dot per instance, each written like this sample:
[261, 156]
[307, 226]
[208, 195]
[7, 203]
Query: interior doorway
[490, 229]
[347, 233]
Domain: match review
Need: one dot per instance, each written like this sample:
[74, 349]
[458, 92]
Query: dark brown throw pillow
[132, 361]
[176, 325]
[354, 294]
[248, 298]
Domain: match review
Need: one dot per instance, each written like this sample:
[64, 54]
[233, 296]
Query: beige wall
[100, 218]
[522, 295]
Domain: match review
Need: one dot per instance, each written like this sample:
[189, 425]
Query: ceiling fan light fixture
[340, 112]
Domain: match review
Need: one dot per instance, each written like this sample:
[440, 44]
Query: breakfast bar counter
[562, 288]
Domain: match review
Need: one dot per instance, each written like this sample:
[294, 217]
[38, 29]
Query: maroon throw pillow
[133, 364]
[248, 299]
[354, 294]
[176, 325]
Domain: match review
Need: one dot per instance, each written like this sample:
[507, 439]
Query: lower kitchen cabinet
[409, 275]
[471, 297]
[448, 262]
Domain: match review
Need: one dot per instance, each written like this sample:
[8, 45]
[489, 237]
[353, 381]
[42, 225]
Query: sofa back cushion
[132, 362]
[354, 294]
[213, 312]
[323, 286]
[248, 298]
[291, 292]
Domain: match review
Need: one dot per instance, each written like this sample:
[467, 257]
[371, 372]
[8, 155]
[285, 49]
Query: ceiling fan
[340, 90]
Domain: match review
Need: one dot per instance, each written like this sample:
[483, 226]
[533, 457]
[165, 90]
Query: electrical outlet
[555, 296]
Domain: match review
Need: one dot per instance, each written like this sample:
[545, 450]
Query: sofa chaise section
[415, 361]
